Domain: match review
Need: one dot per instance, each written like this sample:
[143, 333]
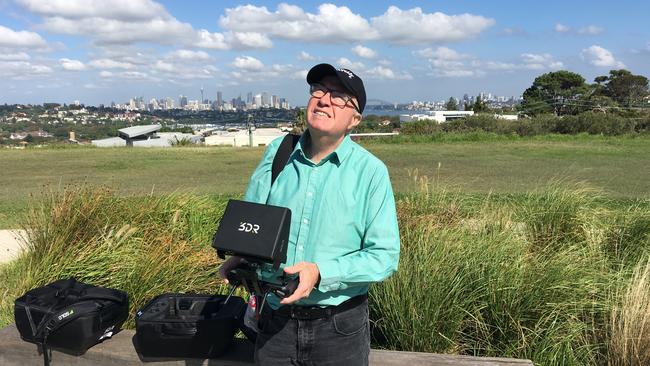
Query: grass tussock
[629, 342]
[145, 245]
[550, 275]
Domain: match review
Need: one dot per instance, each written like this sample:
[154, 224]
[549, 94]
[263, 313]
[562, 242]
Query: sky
[99, 51]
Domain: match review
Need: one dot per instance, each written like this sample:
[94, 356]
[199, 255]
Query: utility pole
[251, 127]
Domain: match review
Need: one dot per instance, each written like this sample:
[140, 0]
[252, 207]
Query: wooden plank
[120, 350]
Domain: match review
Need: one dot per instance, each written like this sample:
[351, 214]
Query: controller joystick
[287, 288]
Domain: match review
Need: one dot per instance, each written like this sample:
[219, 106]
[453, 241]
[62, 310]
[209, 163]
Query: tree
[300, 122]
[624, 87]
[451, 104]
[558, 92]
[479, 105]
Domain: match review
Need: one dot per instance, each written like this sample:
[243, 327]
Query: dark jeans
[342, 339]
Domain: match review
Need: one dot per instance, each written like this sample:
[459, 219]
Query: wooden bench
[120, 351]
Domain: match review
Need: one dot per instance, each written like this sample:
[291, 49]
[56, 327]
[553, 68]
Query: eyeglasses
[338, 98]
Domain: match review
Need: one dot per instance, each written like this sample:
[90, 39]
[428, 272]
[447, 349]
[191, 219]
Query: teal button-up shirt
[342, 218]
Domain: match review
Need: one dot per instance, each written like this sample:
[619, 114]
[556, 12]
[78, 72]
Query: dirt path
[11, 244]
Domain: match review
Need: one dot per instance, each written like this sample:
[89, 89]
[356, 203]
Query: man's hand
[228, 265]
[308, 274]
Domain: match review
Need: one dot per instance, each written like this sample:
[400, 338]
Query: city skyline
[102, 51]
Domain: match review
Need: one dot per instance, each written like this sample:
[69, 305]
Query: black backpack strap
[96, 293]
[282, 155]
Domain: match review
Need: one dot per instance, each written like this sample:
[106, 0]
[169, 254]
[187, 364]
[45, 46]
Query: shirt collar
[337, 156]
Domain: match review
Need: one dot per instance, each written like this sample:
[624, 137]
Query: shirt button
[309, 194]
[300, 247]
[305, 221]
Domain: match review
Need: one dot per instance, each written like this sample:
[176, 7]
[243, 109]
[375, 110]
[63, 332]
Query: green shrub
[550, 275]
[425, 127]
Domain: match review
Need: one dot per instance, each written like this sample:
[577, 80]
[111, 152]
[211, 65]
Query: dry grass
[629, 342]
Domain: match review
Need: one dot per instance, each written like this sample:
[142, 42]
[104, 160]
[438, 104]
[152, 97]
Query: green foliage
[529, 276]
[526, 277]
[553, 92]
[479, 106]
[624, 87]
[594, 123]
[452, 104]
[424, 127]
[144, 246]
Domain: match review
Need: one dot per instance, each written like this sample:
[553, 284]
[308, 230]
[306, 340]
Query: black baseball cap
[350, 80]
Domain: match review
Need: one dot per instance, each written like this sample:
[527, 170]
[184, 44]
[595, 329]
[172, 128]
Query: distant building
[438, 116]
[261, 137]
[146, 136]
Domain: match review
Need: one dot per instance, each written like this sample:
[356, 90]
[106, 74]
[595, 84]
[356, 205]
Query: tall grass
[559, 276]
[629, 342]
[145, 246]
[531, 276]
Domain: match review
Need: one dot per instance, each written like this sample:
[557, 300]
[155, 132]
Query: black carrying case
[187, 325]
[69, 316]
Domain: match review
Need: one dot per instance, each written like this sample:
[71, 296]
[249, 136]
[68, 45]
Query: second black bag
[187, 326]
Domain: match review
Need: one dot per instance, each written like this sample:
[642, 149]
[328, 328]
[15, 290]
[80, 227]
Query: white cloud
[248, 40]
[415, 26]
[591, 30]
[111, 22]
[561, 28]
[601, 57]
[163, 30]
[304, 56]
[135, 75]
[20, 39]
[23, 70]
[336, 24]
[106, 63]
[446, 62]
[163, 66]
[114, 9]
[20, 56]
[514, 31]
[364, 52]
[346, 63]
[184, 66]
[381, 72]
[188, 55]
[529, 61]
[248, 63]
[250, 69]
[106, 74]
[442, 53]
[216, 41]
[543, 61]
[300, 74]
[332, 24]
[72, 65]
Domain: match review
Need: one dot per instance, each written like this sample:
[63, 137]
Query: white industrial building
[438, 116]
[260, 137]
[146, 136]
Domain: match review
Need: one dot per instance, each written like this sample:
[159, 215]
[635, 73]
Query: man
[343, 236]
